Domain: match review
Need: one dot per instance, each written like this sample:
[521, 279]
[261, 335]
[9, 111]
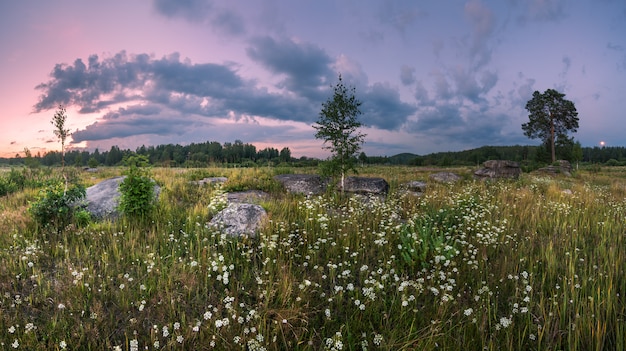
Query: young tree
[551, 117]
[285, 155]
[337, 125]
[58, 121]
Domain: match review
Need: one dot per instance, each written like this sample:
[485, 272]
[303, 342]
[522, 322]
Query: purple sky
[432, 75]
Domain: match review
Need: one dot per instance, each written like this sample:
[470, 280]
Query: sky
[431, 75]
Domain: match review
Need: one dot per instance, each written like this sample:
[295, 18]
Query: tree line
[530, 157]
[169, 155]
[203, 154]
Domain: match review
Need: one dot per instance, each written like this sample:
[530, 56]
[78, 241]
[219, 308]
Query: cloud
[125, 122]
[442, 88]
[482, 21]
[467, 85]
[421, 94]
[308, 72]
[525, 90]
[382, 108]
[407, 75]
[192, 10]
[162, 87]
[615, 47]
[399, 14]
[373, 37]
[453, 122]
[618, 49]
[306, 66]
[567, 63]
[541, 10]
[143, 95]
[124, 78]
[222, 20]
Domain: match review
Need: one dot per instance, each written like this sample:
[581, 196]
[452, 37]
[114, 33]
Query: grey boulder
[365, 186]
[494, 169]
[239, 219]
[210, 180]
[102, 199]
[414, 187]
[307, 184]
[445, 177]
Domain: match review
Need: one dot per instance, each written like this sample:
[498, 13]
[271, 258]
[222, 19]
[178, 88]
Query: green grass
[515, 265]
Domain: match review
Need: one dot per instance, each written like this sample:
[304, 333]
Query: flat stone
[415, 186]
[307, 184]
[210, 180]
[239, 219]
[249, 196]
[445, 177]
[365, 185]
[499, 169]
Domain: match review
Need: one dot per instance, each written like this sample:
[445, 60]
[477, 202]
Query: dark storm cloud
[382, 108]
[468, 86]
[222, 20]
[306, 66]
[155, 91]
[453, 122]
[217, 81]
[86, 86]
[308, 73]
[133, 120]
[152, 86]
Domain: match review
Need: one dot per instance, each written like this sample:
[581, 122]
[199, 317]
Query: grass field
[533, 264]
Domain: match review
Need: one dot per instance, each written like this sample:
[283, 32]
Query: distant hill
[403, 158]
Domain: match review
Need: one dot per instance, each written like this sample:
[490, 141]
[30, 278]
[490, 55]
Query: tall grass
[498, 265]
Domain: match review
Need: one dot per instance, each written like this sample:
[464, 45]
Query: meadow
[536, 263]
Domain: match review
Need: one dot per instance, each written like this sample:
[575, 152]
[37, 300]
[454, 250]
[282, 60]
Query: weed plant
[533, 264]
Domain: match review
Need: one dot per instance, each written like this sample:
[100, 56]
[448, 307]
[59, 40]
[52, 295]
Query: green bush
[55, 205]
[6, 187]
[12, 182]
[137, 189]
[613, 163]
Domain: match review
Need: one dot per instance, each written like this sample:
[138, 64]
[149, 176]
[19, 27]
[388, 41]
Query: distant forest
[246, 155]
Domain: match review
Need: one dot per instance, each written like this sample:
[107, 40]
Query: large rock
[102, 199]
[414, 187]
[561, 167]
[210, 180]
[365, 186]
[494, 169]
[308, 184]
[248, 196]
[239, 219]
[445, 177]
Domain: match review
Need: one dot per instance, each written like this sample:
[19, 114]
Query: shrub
[55, 206]
[137, 189]
[5, 187]
[612, 163]
[12, 182]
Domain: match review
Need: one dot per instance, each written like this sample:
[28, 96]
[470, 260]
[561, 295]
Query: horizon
[601, 145]
[432, 77]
